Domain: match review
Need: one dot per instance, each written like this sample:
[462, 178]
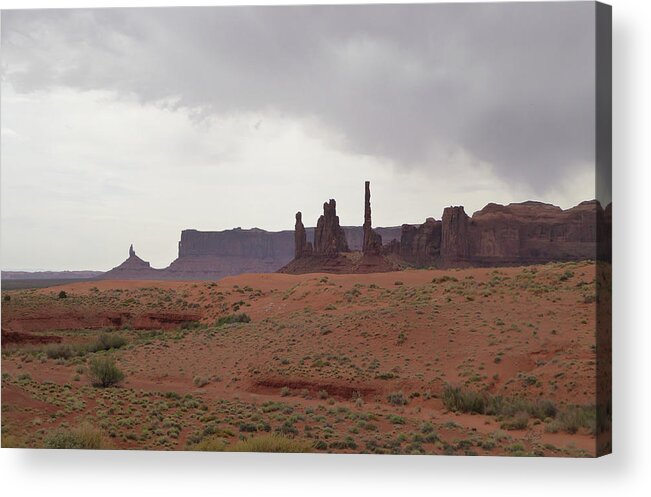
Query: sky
[123, 126]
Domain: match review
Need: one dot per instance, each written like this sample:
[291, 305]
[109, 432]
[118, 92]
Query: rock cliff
[520, 233]
[329, 236]
[515, 234]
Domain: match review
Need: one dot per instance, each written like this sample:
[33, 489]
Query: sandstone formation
[211, 255]
[372, 241]
[329, 236]
[497, 235]
[216, 254]
[355, 235]
[301, 246]
[454, 235]
[419, 244]
[331, 253]
[133, 268]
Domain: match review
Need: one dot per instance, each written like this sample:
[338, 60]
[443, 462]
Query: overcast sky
[126, 126]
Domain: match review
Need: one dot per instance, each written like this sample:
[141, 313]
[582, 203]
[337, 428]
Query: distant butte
[516, 234]
[133, 268]
[498, 235]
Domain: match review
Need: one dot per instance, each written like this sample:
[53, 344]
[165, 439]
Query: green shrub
[272, 443]
[248, 427]
[386, 376]
[397, 399]
[104, 373]
[320, 445]
[285, 391]
[572, 419]
[107, 341]
[456, 399]
[7, 298]
[518, 422]
[83, 437]
[200, 381]
[63, 295]
[60, 351]
[396, 420]
[210, 444]
[233, 318]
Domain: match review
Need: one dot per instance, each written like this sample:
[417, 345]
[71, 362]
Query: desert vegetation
[458, 362]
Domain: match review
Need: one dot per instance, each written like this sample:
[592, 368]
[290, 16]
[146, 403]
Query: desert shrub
[233, 318]
[7, 298]
[200, 381]
[320, 445]
[459, 399]
[60, 351]
[12, 441]
[572, 419]
[487, 444]
[396, 420]
[322, 394]
[539, 408]
[515, 449]
[210, 444]
[248, 427]
[285, 391]
[104, 373]
[397, 399]
[272, 443]
[83, 437]
[63, 295]
[518, 422]
[346, 443]
[456, 399]
[386, 376]
[107, 341]
[543, 409]
[427, 427]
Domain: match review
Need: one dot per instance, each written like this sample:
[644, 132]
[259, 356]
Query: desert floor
[459, 362]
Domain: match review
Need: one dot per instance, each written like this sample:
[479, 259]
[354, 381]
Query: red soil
[512, 332]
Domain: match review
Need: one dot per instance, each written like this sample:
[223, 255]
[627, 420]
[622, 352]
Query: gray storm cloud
[509, 84]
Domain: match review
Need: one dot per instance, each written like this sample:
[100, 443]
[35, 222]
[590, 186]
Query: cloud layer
[511, 84]
[436, 104]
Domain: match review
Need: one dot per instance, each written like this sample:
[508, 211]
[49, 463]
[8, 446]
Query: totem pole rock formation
[329, 236]
[372, 244]
[131, 251]
[302, 247]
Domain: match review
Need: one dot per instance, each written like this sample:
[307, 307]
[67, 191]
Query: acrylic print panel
[453, 300]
